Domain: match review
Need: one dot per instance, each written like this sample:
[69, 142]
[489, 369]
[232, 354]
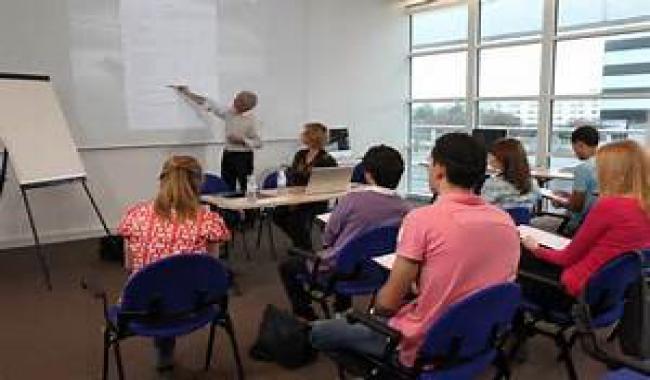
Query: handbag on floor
[282, 339]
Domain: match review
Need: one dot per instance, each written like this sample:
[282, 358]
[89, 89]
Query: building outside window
[536, 68]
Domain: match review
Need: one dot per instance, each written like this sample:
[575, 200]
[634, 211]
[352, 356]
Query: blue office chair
[520, 215]
[359, 174]
[622, 367]
[355, 273]
[169, 298]
[626, 374]
[605, 295]
[460, 345]
[213, 184]
[270, 181]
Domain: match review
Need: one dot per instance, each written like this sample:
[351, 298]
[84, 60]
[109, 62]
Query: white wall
[358, 69]
[339, 61]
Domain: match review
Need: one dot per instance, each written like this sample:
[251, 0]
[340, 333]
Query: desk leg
[37, 244]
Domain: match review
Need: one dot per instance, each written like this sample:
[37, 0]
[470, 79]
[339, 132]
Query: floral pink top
[150, 237]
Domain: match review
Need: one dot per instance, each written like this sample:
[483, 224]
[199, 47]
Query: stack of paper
[385, 261]
[544, 238]
[546, 193]
[324, 218]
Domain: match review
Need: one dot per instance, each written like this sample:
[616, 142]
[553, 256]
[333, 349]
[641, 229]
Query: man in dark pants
[242, 135]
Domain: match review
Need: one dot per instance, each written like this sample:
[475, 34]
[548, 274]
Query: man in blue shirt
[584, 141]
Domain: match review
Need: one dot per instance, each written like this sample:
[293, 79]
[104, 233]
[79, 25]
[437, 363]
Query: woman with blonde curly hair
[295, 221]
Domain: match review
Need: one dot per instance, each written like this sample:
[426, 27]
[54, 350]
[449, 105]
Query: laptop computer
[329, 180]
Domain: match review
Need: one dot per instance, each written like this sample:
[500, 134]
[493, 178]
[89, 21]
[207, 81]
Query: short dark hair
[464, 158]
[586, 134]
[385, 165]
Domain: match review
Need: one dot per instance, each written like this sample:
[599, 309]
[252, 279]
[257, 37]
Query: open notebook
[549, 194]
[385, 261]
[324, 218]
[544, 238]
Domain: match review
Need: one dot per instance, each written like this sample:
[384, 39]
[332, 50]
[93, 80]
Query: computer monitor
[339, 145]
[339, 140]
[488, 137]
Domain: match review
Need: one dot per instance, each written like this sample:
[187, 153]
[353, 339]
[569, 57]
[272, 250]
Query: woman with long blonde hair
[619, 222]
[173, 223]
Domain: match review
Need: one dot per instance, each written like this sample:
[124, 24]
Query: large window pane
[511, 18]
[518, 118]
[585, 13]
[439, 76]
[510, 71]
[615, 64]
[616, 119]
[440, 25]
[428, 122]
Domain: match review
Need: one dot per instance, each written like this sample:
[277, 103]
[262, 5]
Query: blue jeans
[337, 335]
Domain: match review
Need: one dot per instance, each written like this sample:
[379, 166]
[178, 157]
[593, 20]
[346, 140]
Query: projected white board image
[36, 134]
[167, 42]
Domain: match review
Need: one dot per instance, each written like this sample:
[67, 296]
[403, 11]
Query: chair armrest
[375, 325]
[540, 279]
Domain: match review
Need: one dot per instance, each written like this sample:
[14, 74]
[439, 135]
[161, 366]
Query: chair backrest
[520, 215]
[176, 285]
[213, 184]
[358, 174]
[607, 288]
[270, 180]
[375, 241]
[469, 328]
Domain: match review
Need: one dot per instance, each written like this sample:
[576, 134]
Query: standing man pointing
[242, 135]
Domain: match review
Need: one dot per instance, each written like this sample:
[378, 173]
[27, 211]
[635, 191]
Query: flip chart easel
[36, 136]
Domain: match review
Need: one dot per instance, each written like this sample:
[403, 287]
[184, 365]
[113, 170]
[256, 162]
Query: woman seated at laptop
[512, 185]
[173, 223]
[296, 221]
[619, 222]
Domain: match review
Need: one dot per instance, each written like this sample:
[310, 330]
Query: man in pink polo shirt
[456, 246]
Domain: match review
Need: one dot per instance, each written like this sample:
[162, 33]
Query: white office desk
[543, 175]
[271, 198]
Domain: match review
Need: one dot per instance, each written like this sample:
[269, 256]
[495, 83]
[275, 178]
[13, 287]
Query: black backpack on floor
[283, 339]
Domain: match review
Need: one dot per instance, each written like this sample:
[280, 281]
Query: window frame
[549, 37]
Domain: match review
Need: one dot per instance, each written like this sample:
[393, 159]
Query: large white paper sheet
[167, 42]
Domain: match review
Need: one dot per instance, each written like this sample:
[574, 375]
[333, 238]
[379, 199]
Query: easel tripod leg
[39, 252]
[95, 207]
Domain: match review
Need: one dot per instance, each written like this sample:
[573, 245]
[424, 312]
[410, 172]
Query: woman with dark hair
[512, 185]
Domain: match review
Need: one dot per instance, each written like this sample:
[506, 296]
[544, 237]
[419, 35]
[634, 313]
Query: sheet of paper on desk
[325, 218]
[544, 238]
[385, 261]
[547, 193]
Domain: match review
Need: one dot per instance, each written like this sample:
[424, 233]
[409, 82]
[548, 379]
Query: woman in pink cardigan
[619, 222]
